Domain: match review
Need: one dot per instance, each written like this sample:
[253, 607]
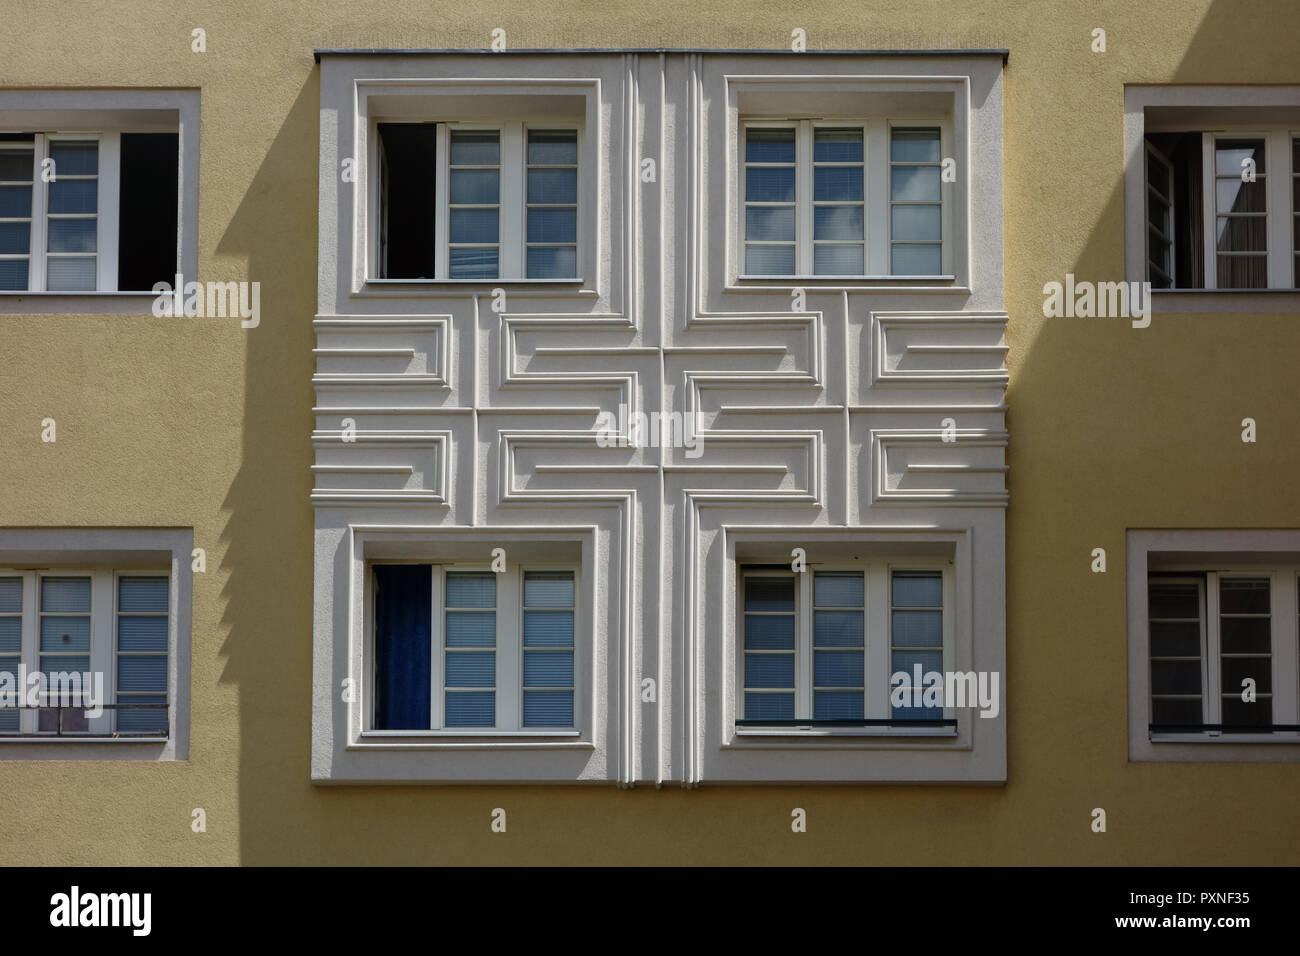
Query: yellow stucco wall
[197, 423]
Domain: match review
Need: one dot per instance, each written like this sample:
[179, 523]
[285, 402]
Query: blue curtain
[403, 607]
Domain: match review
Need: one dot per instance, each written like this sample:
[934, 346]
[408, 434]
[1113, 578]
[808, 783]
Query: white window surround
[346, 750]
[497, 103]
[878, 644]
[877, 103]
[509, 651]
[106, 114]
[1272, 554]
[1238, 111]
[877, 204]
[104, 554]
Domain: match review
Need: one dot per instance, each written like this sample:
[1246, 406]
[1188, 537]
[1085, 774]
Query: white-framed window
[460, 648]
[1221, 207]
[474, 201]
[88, 211]
[844, 198]
[1223, 647]
[822, 647]
[85, 640]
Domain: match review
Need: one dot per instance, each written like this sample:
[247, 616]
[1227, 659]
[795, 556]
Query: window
[824, 198]
[99, 638]
[459, 648]
[1213, 640]
[472, 202]
[87, 212]
[1221, 208]
[824, 646]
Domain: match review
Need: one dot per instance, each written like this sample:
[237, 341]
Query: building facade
[502, 442]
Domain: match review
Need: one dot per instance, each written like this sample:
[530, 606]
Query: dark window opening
[1175, 211]
[146, 251]
[403, 657]
[407, 157]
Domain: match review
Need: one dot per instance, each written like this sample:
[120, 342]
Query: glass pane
[1175, 711]
[915, 222]
[553, 185]
[769, 184]
[769, 706]
[769, 593]
[142, 633]
[16, 239]
[774, 223]
[471, 589]
[548, 628]
[831, 222]
[837, 705]
[74, 195]
[474, 225]
[837, 589]
[548, 708]
[769, 260]
[13, 274]
[1175, 677]
[1245, 635]
[1233, 195]
[837, 668]
[769, 670]
[918, 589]
[837, 183]
[475, 186]
[479, 148]
[548, 589]
[553, 147]
[1255, 713]
[142, 673]
[1242, 234]
[1243, 596]
[1237, 669]
[70, 275]
[471, 669]
[71, 664]
[552, 225]
[64, 634]
[9, 715]
[11, 595]
[1242, 272]
[769, 145]
[548, 668]
[74, 158]
[1158, 175]
[16, 165]
[471, 629]
[837, 260]
[837, 146]
[65, 594]
[769, 632]
[920, 259]
[1180, 639]
[918, 628]
[552, 262]
[473, 263]
[141, 720]
[72, 235]
[142, 594]
[906, 661]
[915, 183]
[914, 146]
[1229, 154]
[15, 201]
[1173, 600]
[837, 628]
[11, 635]
[471, 709]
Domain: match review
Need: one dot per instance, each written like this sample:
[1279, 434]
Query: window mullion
[803, 706]
[804, 199]
[878, 667]
[512, 201]
[1209, 214]
[1286, 647]
[438, 646]
[1277, 191]
[509, 666]
[877, 197]
[103, 641]
[40, 204]
[106, 226]
[1210, 667]
[31, 635]
[442, 201]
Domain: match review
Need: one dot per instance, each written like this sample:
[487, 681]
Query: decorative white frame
[1278, 558]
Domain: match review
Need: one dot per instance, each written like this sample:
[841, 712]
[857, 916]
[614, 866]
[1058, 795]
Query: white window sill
[388, 283]
[1276, 737]
[491, 734]
[873, 732]
[1174, 301]
[79, 739]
